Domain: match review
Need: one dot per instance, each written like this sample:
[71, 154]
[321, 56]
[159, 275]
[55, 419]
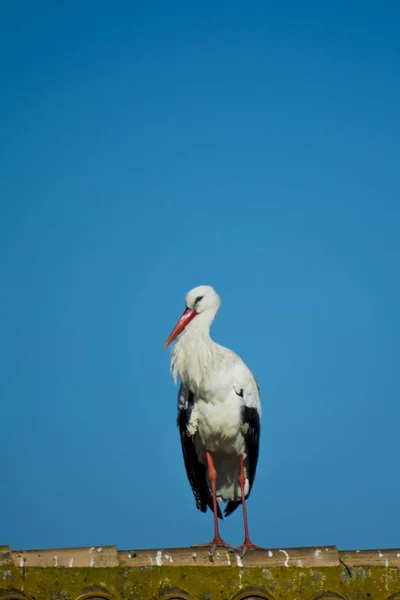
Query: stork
[219, 413]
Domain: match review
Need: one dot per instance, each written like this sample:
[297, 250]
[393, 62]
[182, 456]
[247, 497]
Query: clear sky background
[148, 147]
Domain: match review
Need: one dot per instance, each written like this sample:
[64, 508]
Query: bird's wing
[196, 471]
[251, 417]
[247, 389]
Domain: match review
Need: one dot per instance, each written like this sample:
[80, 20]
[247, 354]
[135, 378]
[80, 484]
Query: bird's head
[201, 300]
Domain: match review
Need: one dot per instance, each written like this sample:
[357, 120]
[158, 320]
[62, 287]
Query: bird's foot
[248, 545]
[217, 542]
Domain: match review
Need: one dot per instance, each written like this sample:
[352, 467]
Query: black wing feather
[196, 471]
[250, 417]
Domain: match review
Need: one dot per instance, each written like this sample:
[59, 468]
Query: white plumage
[219, 409]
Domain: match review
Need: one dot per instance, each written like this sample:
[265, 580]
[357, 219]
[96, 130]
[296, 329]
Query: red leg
[212, 475]
[247, 544]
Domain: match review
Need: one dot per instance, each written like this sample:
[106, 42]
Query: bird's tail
[231, 507]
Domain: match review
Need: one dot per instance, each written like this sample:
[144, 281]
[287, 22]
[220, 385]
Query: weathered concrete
[192, 573]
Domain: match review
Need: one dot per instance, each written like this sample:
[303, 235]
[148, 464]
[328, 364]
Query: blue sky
[149, 147]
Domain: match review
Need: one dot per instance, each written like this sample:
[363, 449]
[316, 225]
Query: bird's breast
[219, 425]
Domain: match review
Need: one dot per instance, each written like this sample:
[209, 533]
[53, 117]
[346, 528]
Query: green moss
[201, 583]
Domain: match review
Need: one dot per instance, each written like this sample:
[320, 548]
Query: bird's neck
[194, 354]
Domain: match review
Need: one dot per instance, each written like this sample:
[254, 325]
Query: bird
[219, 414]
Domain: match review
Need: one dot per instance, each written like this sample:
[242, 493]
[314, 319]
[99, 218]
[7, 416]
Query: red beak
[185, 319]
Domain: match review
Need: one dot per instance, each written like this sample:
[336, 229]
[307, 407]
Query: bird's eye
[198, 299]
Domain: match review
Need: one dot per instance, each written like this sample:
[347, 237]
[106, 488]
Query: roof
[93, 572]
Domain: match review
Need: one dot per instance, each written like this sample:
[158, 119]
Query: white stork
[219, 413]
